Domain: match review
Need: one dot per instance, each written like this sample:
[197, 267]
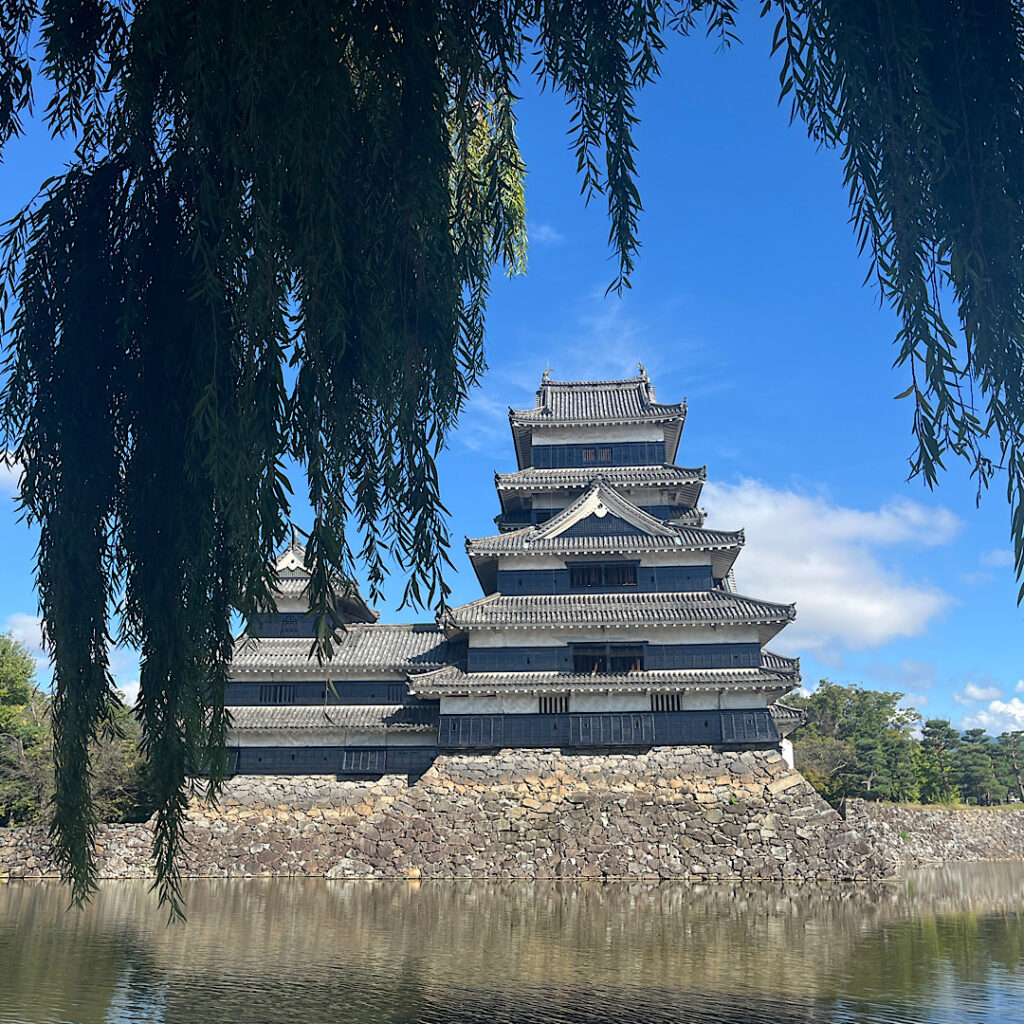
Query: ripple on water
[945, 945]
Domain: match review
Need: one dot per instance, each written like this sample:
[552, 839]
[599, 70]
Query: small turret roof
[583, 402]
[403, 648]
[334, 718]
[293, 582]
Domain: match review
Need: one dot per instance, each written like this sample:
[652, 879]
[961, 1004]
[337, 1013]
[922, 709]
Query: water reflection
[940, 946]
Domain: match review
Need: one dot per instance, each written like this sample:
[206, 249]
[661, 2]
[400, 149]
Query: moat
[943, 944]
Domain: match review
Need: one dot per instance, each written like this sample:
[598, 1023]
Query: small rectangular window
[590, 455]
[589, 658]
[625, 659]
[604, 454]
[622, 574]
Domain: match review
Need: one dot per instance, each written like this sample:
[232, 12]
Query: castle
[610, 619]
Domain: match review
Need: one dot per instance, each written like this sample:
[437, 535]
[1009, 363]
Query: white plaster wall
[609, 702]
[743, 699]
[786, 749]
[637, 495]
[510, 704]
[314, 674]
[328, 738]
[554, 637]
[529, 560]
[550, 434]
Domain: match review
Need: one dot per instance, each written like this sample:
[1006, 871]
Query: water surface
[943, 945]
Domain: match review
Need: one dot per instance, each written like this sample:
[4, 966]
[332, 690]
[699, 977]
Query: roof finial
[295, 543]
[642, 370]
[546, 376]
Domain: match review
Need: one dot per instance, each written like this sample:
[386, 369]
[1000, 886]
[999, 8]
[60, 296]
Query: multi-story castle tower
[610, 618]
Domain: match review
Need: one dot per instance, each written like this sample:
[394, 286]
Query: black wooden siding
[656, 656]
[284, 624]
[665, 578]
[608, 729]
[624, 453]
[343, 692]
[332, 760]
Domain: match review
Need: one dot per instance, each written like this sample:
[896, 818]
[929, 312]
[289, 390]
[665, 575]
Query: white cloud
[999, 716]
[806, 549]
[129, 692]
[26, 629]
[973, 692]
[908, 673]
[998, 558]
[10, 472]
[545, 234]
[1020, 686]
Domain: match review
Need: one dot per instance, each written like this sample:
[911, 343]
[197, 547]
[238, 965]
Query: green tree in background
[1012, 761]
[856, 742]
[26, 743]
[976, 767]
[939, 744]
[332, 186]
[120, 783]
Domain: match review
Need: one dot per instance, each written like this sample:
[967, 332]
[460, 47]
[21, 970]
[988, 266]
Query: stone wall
[913, 836]
[676, 812]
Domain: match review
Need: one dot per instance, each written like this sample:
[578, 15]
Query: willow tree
[329, 187]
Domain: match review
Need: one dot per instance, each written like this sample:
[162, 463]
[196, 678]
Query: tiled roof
[664, 475]
[401, 648]
[786, 718]
[784, 713]
[779, 662]
[576, 401]
[454, 681]
[528, 539]
[582, 611]
[694, 517]
[293, 579]
[388, 717]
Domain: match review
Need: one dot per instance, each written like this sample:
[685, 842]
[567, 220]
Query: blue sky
[748, 300]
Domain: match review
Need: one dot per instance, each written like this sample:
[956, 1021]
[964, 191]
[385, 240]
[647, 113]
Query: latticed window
[604, 454]
[667, 702]
[557, 704]
[592, 659]
[277, 693]
[602, 574]
[589, 454]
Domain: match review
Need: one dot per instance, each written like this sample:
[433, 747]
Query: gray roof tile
[528, 540]
[454, 681]
[575, 401]
[386, 717]
[664, 475]
[587, 611]
[403, 648]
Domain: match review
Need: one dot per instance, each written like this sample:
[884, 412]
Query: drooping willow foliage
[329, 187]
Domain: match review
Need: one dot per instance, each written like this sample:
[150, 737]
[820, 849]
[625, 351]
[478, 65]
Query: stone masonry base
[674, 812]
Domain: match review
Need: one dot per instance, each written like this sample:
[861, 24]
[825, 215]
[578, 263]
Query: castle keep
[610, 619]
